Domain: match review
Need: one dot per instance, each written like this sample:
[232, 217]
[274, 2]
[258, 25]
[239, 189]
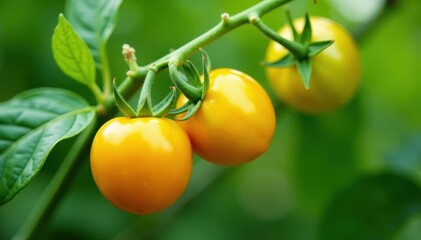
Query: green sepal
[304, 68]
[317, 47]
[181, 109]
[193, 108]
[164, 107]
[286, 61]
[207, 59]
[191, 73]
[145, 109]
[206, 70]
[307, 32]
[122, 104]
[191, 92]
[291, 25]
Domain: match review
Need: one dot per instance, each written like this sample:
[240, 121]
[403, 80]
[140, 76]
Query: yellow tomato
[335, 71]
[235, 122]
[141, 165]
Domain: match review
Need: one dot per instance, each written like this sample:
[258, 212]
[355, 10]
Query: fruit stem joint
[298, 50]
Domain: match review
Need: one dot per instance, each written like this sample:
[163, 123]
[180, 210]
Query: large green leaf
[71, 53]
[31, 124]
[375, 207]
[94, 20]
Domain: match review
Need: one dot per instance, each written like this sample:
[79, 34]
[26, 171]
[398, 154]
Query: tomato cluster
[142, 165]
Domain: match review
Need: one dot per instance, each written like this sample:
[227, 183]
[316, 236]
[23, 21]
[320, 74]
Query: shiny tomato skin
[335, 71]
[141, 165]
[235, 122]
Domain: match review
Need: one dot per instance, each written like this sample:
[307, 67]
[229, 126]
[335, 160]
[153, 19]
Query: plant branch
[228, 23]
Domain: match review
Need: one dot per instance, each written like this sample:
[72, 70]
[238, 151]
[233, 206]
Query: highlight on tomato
[235, 122]
[335, 71]
[141, 165]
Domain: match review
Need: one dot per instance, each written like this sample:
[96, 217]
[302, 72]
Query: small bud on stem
[225, 17]
[129, 54]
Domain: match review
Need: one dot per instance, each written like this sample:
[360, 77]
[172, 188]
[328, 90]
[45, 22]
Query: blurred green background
[351, 174]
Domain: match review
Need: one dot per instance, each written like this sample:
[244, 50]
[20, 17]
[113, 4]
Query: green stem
[145, 94]
[144, 106]
[193, 93]
[97, 93]
[44, 209]
[296, 49]
[106, 74]
[227, 24]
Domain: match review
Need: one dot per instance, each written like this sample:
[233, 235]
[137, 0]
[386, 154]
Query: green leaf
[286, 61]
[31, 124]
[317, 47]
[375, 207]
[306, 34]
[94, 20]
[71, 53]
[304, 68]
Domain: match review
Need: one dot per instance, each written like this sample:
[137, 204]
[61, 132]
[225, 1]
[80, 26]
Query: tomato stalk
[298, 50]
[228, 23]
[144, 106]
[191, 92]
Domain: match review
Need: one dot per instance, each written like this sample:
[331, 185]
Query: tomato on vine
[235, 122]
[335, 71]
[141, 165]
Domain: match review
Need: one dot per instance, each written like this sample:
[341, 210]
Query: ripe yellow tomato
[141, 165]
[335, 71]
[235, 122]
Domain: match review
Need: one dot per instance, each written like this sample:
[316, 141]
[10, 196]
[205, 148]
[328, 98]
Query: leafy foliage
[94, 20]
[71, 53]
[31, 124]
[373, 208]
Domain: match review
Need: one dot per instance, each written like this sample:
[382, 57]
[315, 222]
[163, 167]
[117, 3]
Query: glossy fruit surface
[335, 71]
[235, 122]
[141, 165]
